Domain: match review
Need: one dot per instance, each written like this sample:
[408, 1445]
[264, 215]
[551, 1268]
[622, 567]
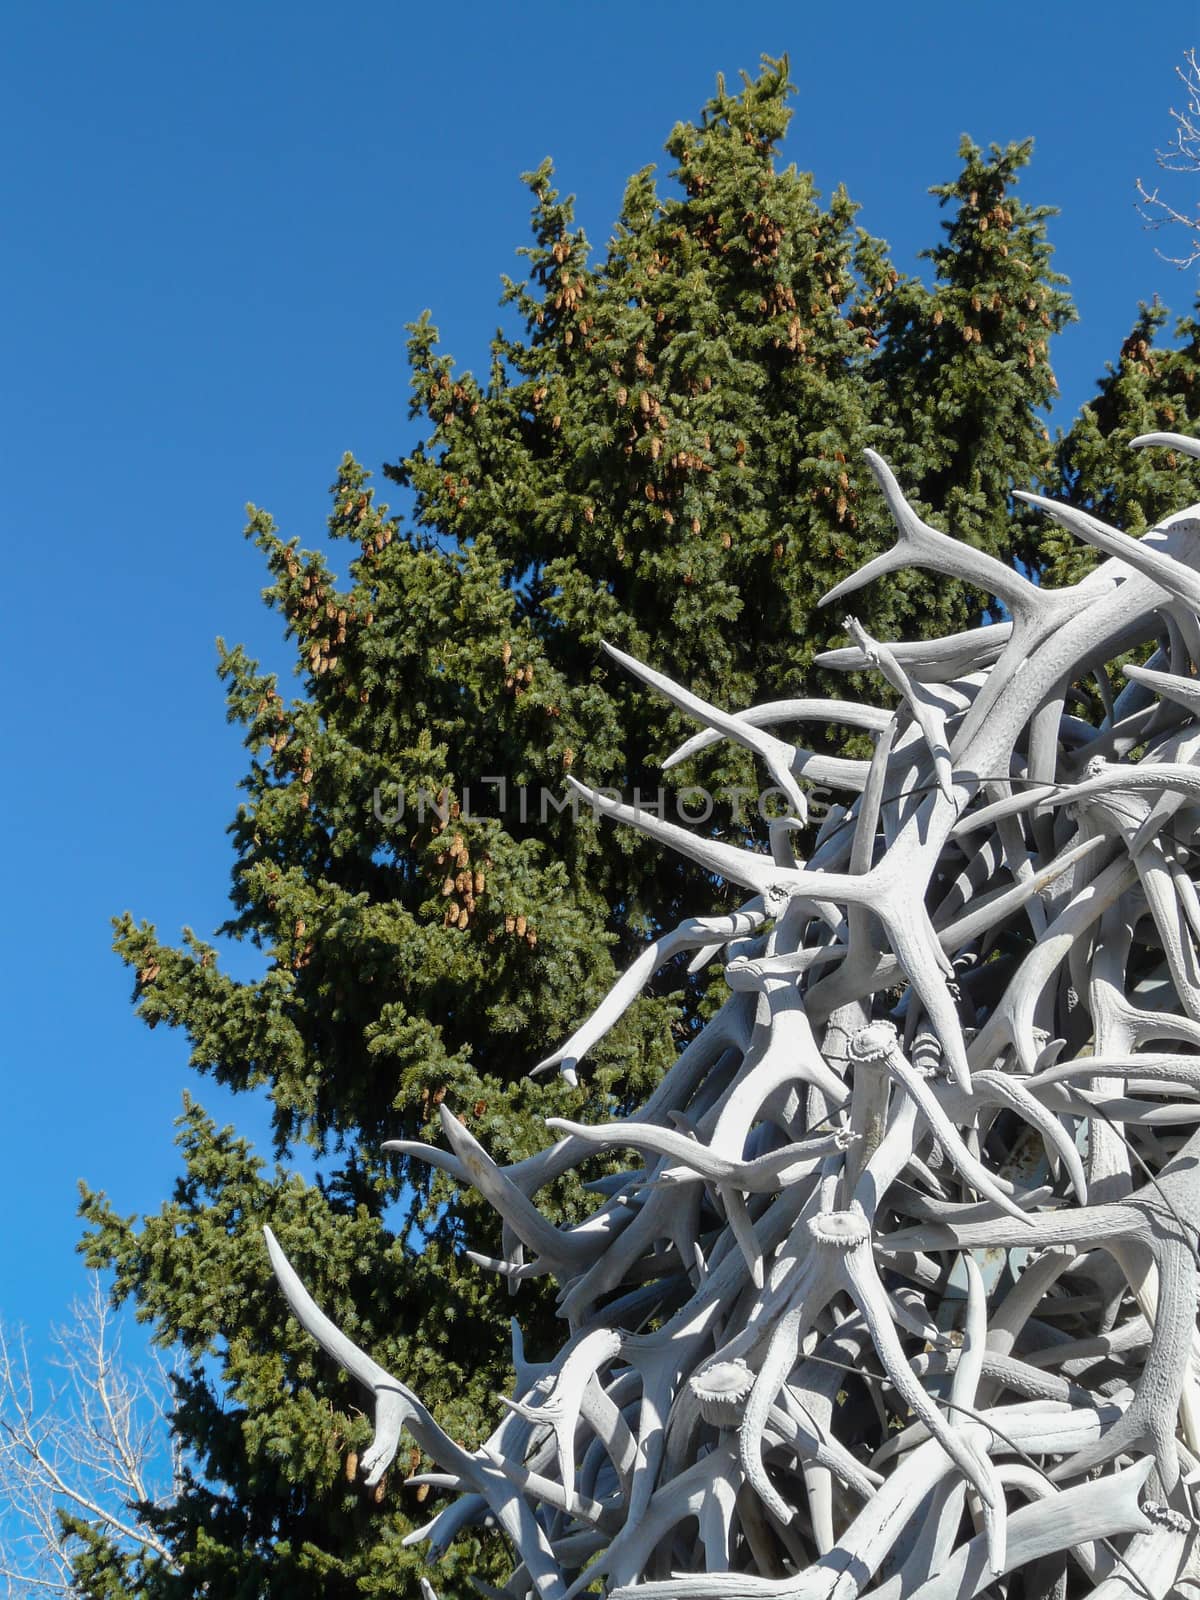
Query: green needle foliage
[1149, 390]
[667, 454]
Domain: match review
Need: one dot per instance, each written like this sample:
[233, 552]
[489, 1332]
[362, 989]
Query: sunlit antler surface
[900, 1299]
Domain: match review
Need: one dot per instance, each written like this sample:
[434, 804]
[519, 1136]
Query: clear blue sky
[217, 221]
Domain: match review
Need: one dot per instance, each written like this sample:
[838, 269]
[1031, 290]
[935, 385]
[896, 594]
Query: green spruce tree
[1148, 390]
[965, 363]
[666, 453]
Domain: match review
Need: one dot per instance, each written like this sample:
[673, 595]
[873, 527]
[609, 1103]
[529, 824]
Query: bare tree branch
[1181, 155]
[96, 1446]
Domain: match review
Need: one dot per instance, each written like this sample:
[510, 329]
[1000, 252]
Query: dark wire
[1194, 1242]
[1182, 844]
[851, 818]
[977, 1416]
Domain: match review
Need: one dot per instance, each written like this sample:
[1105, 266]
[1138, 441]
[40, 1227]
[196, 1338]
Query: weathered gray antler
[896, 1294]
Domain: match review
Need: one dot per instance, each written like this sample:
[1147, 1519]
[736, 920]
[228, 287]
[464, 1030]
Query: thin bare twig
[1181, 155]
[96, 1445]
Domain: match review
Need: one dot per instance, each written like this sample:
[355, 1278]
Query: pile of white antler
[900, 1298]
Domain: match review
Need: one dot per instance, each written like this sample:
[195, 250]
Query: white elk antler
[897, 1296]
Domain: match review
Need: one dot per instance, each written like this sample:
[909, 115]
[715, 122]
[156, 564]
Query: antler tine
[919, 545]
[777, 755]
[1167, 441]
[1162, 569]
